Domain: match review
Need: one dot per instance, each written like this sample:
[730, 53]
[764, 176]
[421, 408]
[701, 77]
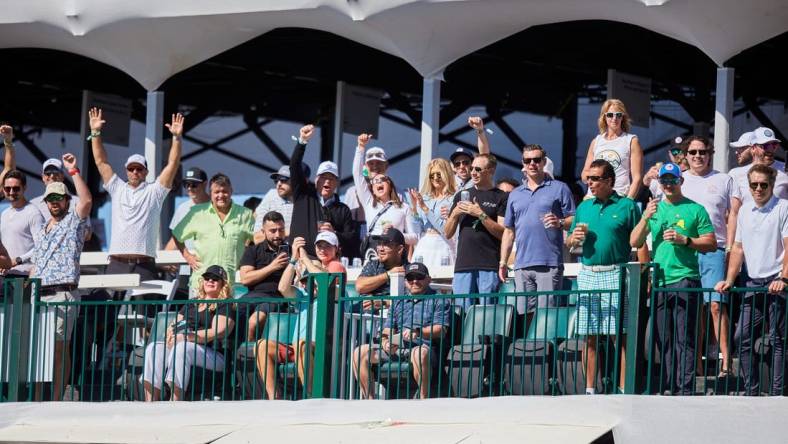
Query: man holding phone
[261, 269]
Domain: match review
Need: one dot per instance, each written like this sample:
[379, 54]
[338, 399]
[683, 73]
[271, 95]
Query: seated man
[261, 268]
[408, 334]
[374, 277]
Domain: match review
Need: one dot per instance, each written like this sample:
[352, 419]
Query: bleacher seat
[279, 327]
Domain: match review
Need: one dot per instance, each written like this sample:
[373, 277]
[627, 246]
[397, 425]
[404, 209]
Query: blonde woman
[190, 339]
[618, 147]
[382, 204]
[437, 192]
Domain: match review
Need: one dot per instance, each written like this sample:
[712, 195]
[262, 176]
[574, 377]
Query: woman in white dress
[616, 145]
[437, 192]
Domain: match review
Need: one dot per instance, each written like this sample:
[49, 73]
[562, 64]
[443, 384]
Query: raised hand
[306, 133]
[7, 132]
[96, 119]
[69, 161]
[363, 139]
[476, 123]
[176, 127]
[651, 209]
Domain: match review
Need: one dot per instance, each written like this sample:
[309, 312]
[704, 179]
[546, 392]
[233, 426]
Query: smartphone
[181, 326]
[285, 248]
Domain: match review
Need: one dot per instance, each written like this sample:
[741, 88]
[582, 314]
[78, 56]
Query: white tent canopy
[153, 40]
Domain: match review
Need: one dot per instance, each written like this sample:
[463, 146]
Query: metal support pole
[154, 150]
[430, 122]
[339, 130]
[723, 115]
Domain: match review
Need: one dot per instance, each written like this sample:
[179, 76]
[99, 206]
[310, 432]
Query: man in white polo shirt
[761, 239]
[136, 204]
[763, 147]
[720, 196]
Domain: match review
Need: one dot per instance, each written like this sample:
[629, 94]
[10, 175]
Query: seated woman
[191, 339]
[271, 353]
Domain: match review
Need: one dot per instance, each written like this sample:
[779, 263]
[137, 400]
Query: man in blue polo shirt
[537, 213]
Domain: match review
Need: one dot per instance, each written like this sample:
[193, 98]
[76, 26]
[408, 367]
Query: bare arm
[733, 215]
[635, 168]
[638, 236]
[367, 284]
[250, 276]
[83, 192]
[433, 332]
[452, 221]
[5, 261]
[9, 158]
[482, 143]
[589, 159]
[705, 243]
[507, 241]
[734, 265]
[99, 154]
[167, 175]
[220, 324]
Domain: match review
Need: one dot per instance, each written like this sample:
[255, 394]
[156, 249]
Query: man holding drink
[680, 229]
[538, 212]
[601, 226]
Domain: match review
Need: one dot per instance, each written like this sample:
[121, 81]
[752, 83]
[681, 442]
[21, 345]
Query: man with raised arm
[56, 262]
[9, 158]
[136, 204]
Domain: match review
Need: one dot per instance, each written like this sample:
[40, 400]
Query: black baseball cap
[462, 152]
[416, 270]
[391, 235]
[195, 175]
[215, 271]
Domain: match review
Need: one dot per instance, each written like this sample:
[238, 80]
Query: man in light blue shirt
[537, 213]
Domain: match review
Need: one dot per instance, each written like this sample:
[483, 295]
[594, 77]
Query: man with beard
[18, 224]
[220, 230]
[279, 199]
[136, 204]
[261, 268]
[56, 262]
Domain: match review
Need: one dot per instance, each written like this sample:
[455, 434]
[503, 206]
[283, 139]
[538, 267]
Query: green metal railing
[324, 345]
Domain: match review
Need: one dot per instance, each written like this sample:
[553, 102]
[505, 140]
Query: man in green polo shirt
[220, 230]
[601, 226]
[680, 228]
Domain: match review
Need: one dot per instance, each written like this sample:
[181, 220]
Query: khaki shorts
[65, 315]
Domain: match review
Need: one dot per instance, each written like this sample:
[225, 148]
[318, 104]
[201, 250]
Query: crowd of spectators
[706, 228]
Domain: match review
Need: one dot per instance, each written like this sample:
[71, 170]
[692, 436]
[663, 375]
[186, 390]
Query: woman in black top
[191, 339]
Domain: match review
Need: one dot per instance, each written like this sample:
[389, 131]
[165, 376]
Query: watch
[483, 216]
[784, 279]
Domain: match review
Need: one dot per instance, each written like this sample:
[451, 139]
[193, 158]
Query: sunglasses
[281, 180]
[55, 198]
[190, 185]
[759, 185]
[212, 278]
[414, 279]
[478, 169]
[617, 115]
[771, 146]
[459, 163]
[698, 152]
[596, 178]
[134, 169]
[436, 176]
[380, 179]
[527, 160]
[669, 180]
[676, 151]
[12, 189]
[52, 173]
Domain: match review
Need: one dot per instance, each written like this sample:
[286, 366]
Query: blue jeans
[712, 270]
[477, 281]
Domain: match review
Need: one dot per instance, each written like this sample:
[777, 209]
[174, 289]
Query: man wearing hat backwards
[136, 204]
[279, 199]
[411, 333]
[680, 229]
[56, 262]
[764, 145]
[318, 202]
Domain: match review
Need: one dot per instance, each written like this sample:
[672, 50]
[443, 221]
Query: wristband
[94, 135]
[293, 262]
[73, 172]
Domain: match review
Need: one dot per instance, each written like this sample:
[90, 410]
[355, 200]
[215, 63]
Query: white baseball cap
[328, 167]
[137, 158]
[549, 166]
[763, 135]
[376, 153]
[327, 236]
[52, 163]
[744, 140]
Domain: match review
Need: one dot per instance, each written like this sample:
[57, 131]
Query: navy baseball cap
[416, 270]
[461, 152]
